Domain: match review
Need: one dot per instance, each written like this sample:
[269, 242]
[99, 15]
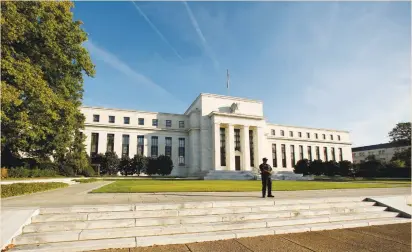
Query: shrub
[302, 167]
[165, 165]
[110, 164]
[26, 188]
[66, 170]
[371, 168]
[317, 167]
[331, 168]
[151, 166]
[19, 172]
[126, 166]
[85, 181]
[4, 173]
[48, 166]
[140, 164]
[345, 168]
[88, 171]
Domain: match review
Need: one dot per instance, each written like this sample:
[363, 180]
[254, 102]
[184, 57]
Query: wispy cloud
[156, 30]
[122, 67]
[199, 32]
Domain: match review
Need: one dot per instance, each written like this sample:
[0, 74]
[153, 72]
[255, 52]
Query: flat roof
[379, 146]
[321, 129]
[130, 110]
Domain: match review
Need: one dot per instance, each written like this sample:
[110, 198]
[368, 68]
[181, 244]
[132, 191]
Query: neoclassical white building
[216, 136]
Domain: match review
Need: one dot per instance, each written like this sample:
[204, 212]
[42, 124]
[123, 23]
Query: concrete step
[77, 246]
[256, 215]
[92, 234]
[155, 213]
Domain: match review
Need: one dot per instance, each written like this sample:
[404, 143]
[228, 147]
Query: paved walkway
[78, 195]
[374, 238]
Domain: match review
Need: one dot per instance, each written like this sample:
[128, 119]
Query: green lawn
[27, 188]
[135, 186]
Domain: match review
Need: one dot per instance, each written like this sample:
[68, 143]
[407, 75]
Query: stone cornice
[134, 128]
[306, 140]
[309, 128]
[130, 110]
[213, 113]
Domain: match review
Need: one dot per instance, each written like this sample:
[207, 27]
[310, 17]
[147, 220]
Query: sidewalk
[374, 238]
[78, 195]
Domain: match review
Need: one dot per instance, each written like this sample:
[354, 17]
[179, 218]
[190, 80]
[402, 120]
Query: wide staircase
[84, 228]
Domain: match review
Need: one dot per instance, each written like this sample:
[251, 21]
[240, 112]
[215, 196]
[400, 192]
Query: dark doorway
[237, 163]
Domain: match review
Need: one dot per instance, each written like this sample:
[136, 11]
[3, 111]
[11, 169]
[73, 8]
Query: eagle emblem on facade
[234, 107]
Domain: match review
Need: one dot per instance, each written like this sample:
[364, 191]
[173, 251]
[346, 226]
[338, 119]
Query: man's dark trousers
[266, 182]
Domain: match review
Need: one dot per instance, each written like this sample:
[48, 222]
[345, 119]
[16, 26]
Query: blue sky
[342, 65]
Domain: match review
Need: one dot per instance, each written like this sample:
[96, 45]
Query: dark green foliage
[331, 168]
[165, 164]
[111, 163]
[317, 167]
[371, 169]
[26, 188]
[302, 167]
[152, 166]
[140, 164]
[21, 172]
[345, 168]
[66, 170]
[401, 133]
[404, 156]
[126, 166]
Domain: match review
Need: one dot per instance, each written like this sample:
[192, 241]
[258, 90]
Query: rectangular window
[325, 153]
[340, 154]
[95, 144]
[317, 153]
[338, 137]
[96, 118]
[308, 135]
[300, 152]
[324, 136]
[310, 153]
[126, 120]
[154, 122]
[283, 149]
[282, 133]
[222, 147]
[292, 154]
[300, 134]
[316, 135]
[141, 121]
[182, 151]
[168, 147]
[111, 119]
[110, 143]
[331, 137]
[251, 148]
[291, 133]
[154, 146]
[125, 145]
[273, 132]
[333, 154]
[168, 123]
[274, 156]
[181, 124]
[237, 139]
[140, 145]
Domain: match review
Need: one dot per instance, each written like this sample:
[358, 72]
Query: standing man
[266, 172]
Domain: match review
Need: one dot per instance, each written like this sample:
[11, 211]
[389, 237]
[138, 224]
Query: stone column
[245, 149]
[260, 146]
[216, 146]
[230, 148]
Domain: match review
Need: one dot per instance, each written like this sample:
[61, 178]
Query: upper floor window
[181, 124]
[307, 134]
[168, 123]
[316, 135]
[111, 119]
[339, 137]
[282, 133]
[323, 136]
[141, 121]
[154, 122]
[300, 134]
[237, 139]
[291, 133]
[273, 132]
[331, 137]
[126, 120]
[96, 118]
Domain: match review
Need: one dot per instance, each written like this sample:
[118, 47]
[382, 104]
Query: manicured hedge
[27, 188]
[20, 172]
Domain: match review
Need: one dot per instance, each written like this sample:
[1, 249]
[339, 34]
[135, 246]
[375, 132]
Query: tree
[126, 166]
[302, 167]
[140, 163]
[43, 64]
[401, 133]
[111, 163]
[152, 166]
[77, 157]
[317, 167]
[345, 168]
[371, 168]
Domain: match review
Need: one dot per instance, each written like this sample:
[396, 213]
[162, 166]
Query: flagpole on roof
[227, 81]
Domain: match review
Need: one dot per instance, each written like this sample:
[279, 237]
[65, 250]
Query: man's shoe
[263, 196]
[271, 196]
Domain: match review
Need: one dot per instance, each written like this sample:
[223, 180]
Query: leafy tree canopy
[401, 133]
[43, 64]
